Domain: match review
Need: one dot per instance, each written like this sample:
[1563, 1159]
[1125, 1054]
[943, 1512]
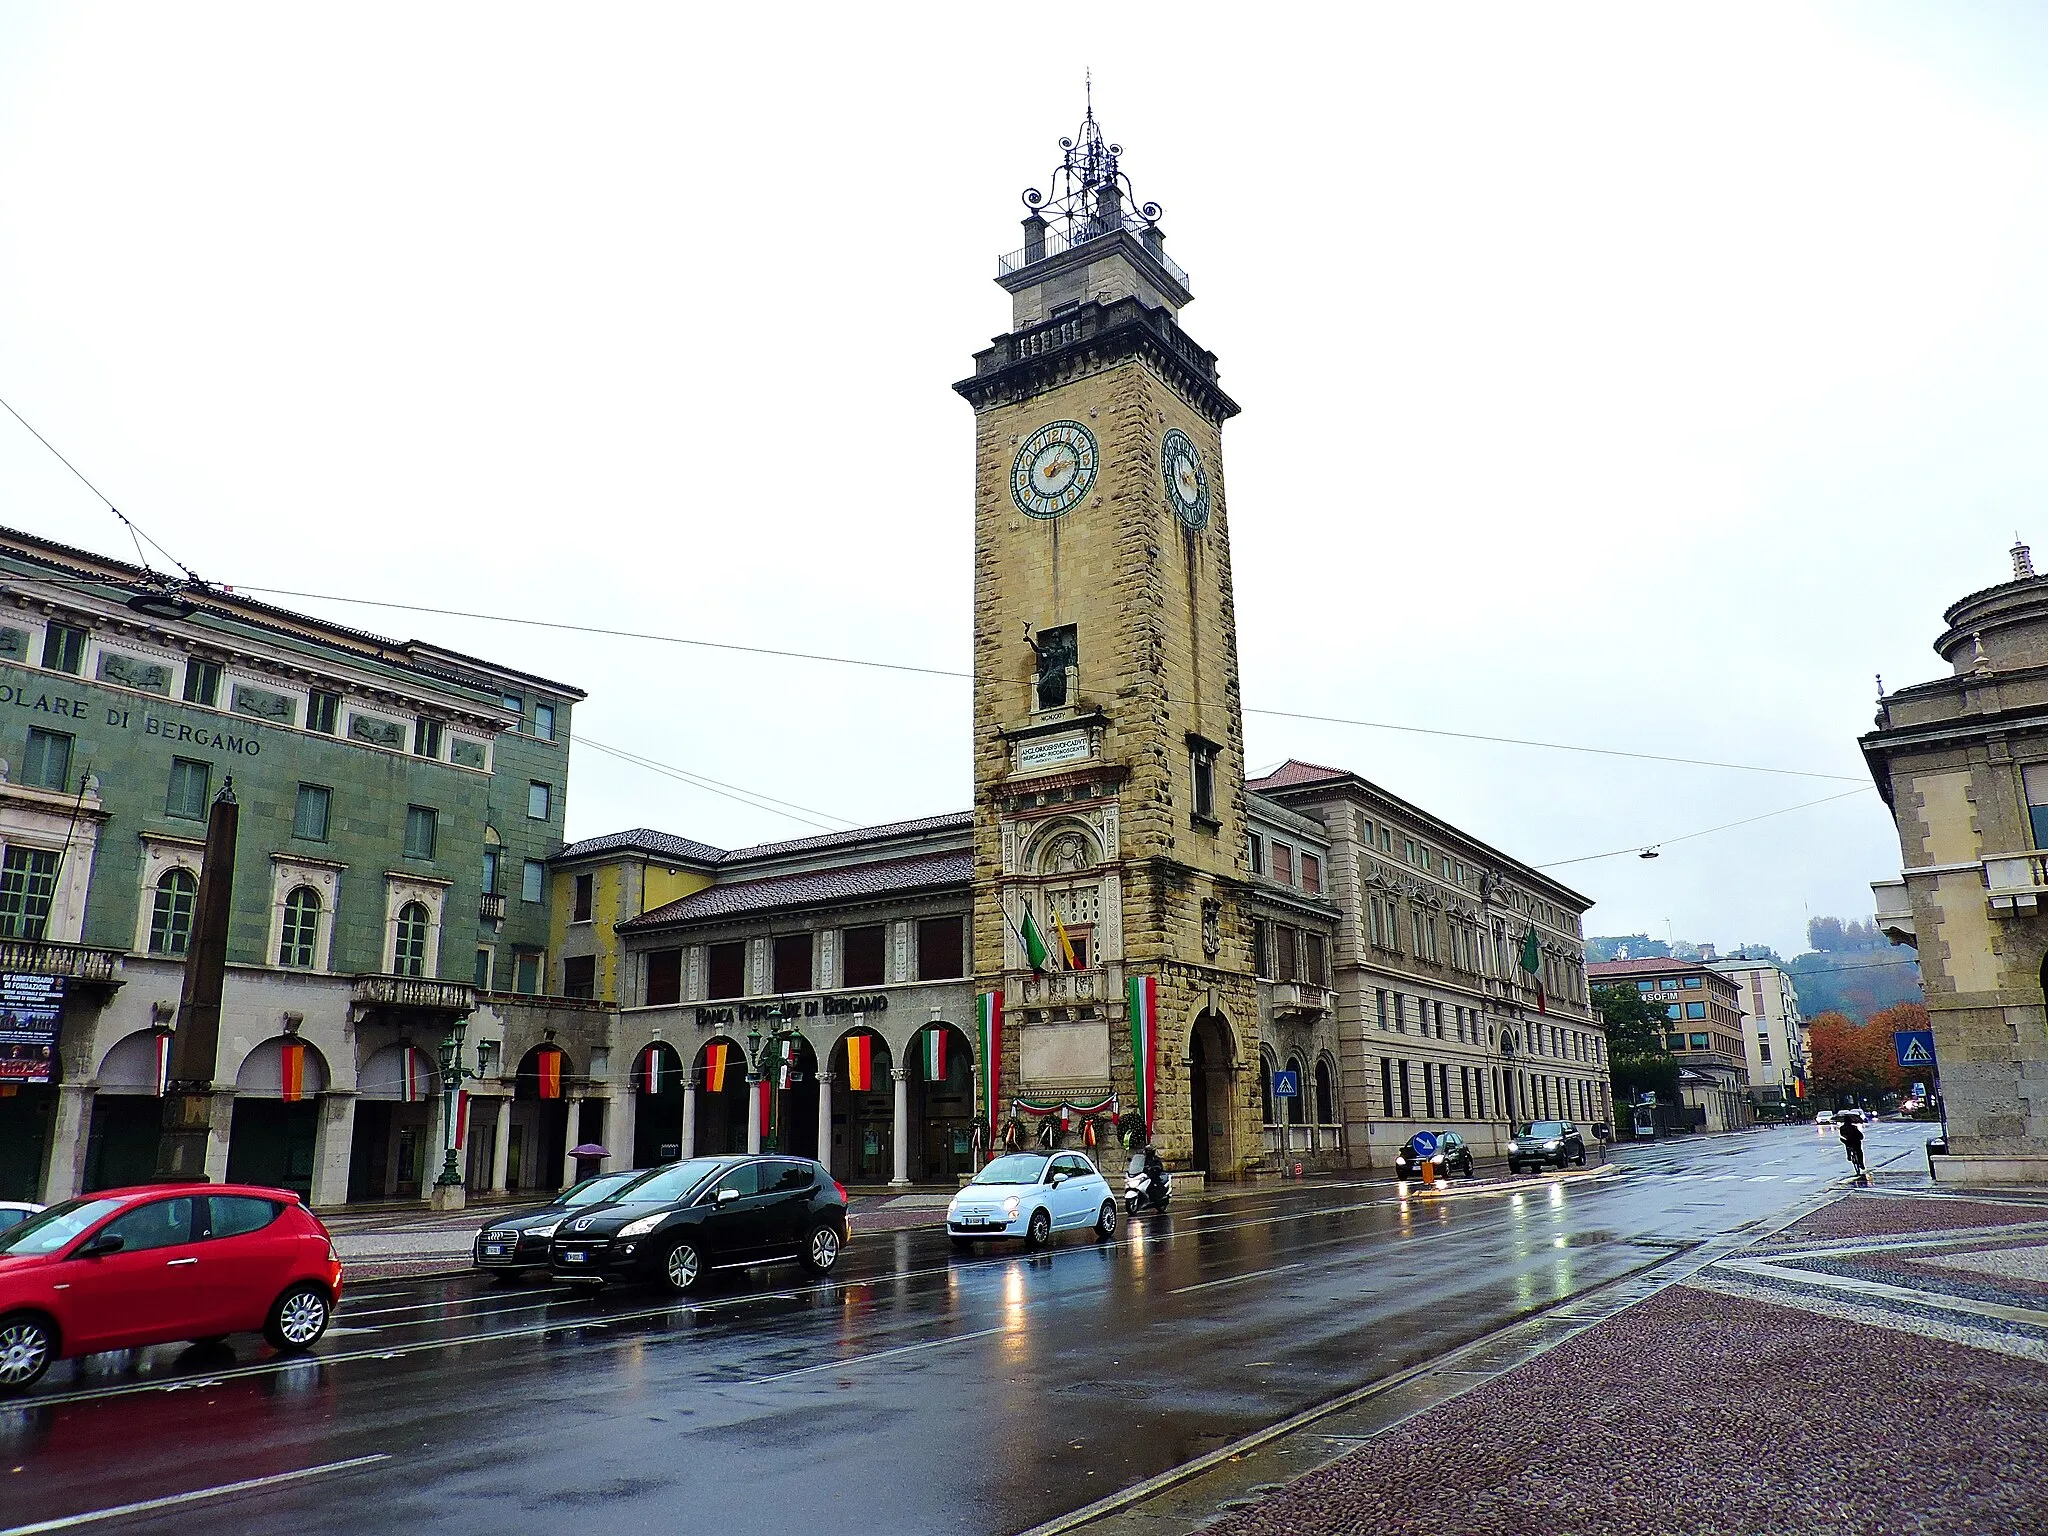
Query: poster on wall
[30, 1007]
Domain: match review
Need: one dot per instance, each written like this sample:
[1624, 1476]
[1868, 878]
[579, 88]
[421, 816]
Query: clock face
[1187, 483]
[1055, 468]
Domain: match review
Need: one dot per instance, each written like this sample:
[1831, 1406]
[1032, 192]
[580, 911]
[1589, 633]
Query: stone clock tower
[1108, 737]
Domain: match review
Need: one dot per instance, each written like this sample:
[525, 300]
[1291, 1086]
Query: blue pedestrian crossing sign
[1915, 1047]
[1286, 1085]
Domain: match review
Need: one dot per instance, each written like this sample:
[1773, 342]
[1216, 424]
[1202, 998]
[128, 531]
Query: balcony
[1062, 988]
[1894, 911]
[1300, 1000]
[2015, 882]
[413, 995]
[75, 962]
[492, 908]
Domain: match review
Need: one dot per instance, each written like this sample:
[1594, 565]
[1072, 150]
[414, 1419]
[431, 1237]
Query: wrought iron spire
[1090, 195]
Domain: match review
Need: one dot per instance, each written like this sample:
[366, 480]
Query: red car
[130, 1267]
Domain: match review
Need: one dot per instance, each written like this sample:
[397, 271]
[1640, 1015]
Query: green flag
[1035, 949]
[1532, 957]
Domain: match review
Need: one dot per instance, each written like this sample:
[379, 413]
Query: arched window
[301, 927]
[410, 958]
[1326, 1096]
[1294, 1105]
[170, 920]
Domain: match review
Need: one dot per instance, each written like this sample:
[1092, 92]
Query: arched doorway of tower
[863, 1108]
[539, 1143]
[941, 1104]
[127, 1111]
[789, 1070]
[389, 1151]
[658, 1080]
[1212, 1057]
[720, 1078]
[277, 1116]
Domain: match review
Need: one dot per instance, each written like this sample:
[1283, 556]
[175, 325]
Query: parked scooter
[1146, 1182]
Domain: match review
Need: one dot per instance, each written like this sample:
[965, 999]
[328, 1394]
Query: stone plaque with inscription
[1062, 1055]
[1051, 751]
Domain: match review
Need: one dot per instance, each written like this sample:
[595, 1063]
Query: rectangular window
[1283, 864]
[187, 796]
[1311, 873]
[1259, 955]
[791, 956]
[1258, 855]
[1407, 1099]
[323, 712]
[941, 948]
[1387, 1087]
[309, 814]
[47, 764]
[1701, 1043]
[1284, 968]
[483, 969]
[1763, 1050]
[1059, 654]
[727, 969]
[526, 973]
[1316, 962]
[1646, 986]
[1386, 840]
[1408, 849]
[420, 828]
[533, 881]
[579, 976]
[1465, 1092]
[28, 881]
[1667, 984]
[426, 737]
[1695, 1010]
[1694, 983]
[1674, 1011]
[586, 897]
[1380, 993]
[1428, 1092]
[491, 872]
[540, 800]
[202, 682]
[1400, 1014]
[544, 721]
[1202, 767]
[861, 951]
[64, 648]
[664, 977]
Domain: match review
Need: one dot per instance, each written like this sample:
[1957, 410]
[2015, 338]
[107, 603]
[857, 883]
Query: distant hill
[1850, 968]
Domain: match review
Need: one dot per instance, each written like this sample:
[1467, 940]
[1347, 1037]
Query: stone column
[825, 1120]
[753, 1113]
[572, 1134]
[70, 1131]
[501, 1147]
[621, 1113]
[902, 1077]
[689, 1120]
[217, 1141]
[333, 1149]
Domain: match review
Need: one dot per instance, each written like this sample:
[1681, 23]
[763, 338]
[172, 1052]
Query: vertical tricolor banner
[716, 1056]
[935, 1053]
[649, 1075]
[787, 1074]
[860, 1063]
[461, 1118]
[767, 1104]
[989, 1047]
[163, 1063]
[415, 1087]
[549, 1072]
[291, 1071]
[1144, 1001]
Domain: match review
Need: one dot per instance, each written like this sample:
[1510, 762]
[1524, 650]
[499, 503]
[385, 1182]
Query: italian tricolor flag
[716, 1055]
[988, 1028]
[860, 1062]
[934, 1052]
[549, 1071]
[649, 1074]
[163, 1063]
[415, 1088]
[1144, 1005]
[292, 1073]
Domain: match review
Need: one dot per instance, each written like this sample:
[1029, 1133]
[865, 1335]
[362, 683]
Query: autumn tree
[1851, 1060]
[1637, 1059]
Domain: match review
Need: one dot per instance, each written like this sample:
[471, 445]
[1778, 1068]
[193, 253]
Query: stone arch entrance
[720, 1081]
[658, 1079]
[1212, 1116]
[941, 1104]
[277, 1115]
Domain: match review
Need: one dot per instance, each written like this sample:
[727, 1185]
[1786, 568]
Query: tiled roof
[960, 821]
[1293, 772]
[931, 871]
[664, 845]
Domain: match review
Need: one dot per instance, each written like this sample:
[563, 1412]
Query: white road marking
[1763, 1178]
[1182, 1290]
[179, 1500]
[857, 1360]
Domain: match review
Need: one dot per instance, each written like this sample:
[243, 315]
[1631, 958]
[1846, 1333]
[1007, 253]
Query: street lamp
[448, 1187]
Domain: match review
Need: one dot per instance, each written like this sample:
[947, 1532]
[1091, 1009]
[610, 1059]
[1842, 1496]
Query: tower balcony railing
[48, 957]
[413, 994]
[1301, 1000]
[2015, 882]
[1894, 910]
[1062, 988]
[1057, 244]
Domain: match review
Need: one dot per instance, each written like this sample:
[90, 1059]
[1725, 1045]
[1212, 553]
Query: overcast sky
[1640, 377]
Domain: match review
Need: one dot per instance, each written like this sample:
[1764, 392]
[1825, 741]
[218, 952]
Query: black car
[1450, 1155]
[1556, 1142]
[520, 1241]
[688, 1219]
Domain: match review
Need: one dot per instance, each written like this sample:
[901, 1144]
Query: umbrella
[588, 1149]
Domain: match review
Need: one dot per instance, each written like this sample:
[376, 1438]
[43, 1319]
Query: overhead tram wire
[1638, 849]
[127, 522]
[748, 797]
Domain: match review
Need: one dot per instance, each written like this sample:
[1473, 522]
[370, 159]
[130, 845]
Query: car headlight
[643, 1226]
[1552, 1146]
[546, 1231]
[1011, 1206]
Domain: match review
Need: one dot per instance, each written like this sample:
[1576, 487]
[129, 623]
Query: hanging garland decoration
[1065, 1108]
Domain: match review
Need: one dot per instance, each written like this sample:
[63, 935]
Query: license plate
[574, 1258]
[493, 1250]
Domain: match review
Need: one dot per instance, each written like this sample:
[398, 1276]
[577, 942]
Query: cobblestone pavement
[1819, 1382]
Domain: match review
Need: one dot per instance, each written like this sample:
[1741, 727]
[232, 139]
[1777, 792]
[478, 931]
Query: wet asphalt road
[918, 1391]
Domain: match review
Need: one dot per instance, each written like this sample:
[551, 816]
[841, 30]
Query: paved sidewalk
[1879, 1367]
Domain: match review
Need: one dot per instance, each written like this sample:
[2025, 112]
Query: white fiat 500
[1032, 1195]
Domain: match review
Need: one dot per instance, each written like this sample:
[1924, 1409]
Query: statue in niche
[1212, 927]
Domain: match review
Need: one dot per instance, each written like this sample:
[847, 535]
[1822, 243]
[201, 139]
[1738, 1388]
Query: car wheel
[1469, 1172]
[681, 1268]
[298, 1318]
[821, 1249]
[1579, 1158]
[1038, 1231]
[27, 1346]
[1105, 1222]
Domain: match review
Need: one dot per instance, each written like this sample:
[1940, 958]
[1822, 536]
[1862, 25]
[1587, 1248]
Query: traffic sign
[1286, 1084]
[1915, 1047]
[1424, 1143]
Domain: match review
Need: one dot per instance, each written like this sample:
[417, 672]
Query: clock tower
[1110, 936]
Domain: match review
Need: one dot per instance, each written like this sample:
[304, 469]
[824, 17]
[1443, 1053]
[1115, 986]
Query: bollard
[1429, 1170]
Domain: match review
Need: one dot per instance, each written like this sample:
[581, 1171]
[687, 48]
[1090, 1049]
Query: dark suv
[519, 1241]
[1556, 1142]
[683, 1221]
[1447, 1150]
